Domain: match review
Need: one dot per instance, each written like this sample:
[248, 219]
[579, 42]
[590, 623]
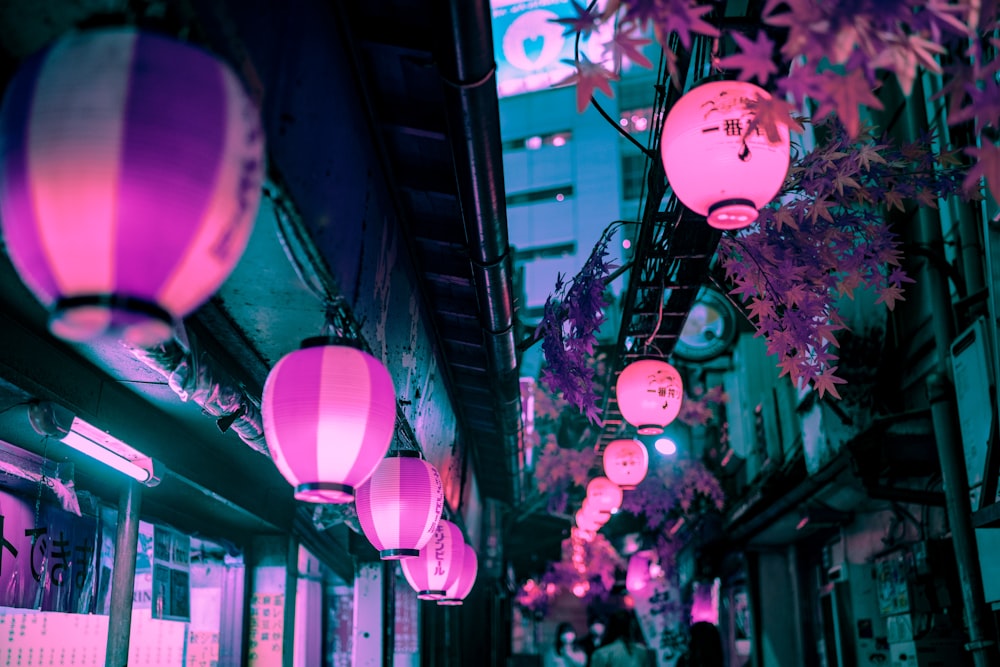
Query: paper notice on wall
[267, 621]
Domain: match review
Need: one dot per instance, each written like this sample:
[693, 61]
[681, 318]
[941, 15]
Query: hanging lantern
[400, 505]
[591, 511]
[588, 523]
[439, 563]
[637, 575]
[649, 394]
[329, 414]
[462, 586]
[712, 165]
[604, 495]
[130, 172]
[626, 462]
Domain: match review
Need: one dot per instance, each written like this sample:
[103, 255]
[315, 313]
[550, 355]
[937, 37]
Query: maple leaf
[987, 166]
[589, 77]
[768, 113]
[783, 217]
[761, 309]
[626, 44]
[683, 17]
[890, 295]
[844, 94]
[826, 382]
[584, 22]
[903, 54]
[754, 59]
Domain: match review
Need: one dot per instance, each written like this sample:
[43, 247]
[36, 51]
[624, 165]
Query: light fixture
[132, 167]
[709, 329]
[626, 462]
[735, 173]
[649, 393]
[400, 505]
[665, 446]
[604, 495]
[55, 421]
[460, 590]
[329, 414]
[439, 563]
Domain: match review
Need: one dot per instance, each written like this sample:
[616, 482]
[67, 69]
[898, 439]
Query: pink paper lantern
[734, 174]
[130, 173]
[637, 575]
[649, 392]
[400, 505]
[604, 495]
[587, 522]
[439, 564]
[460, 590]
[329, 415]
[590, 510]
[626, 462]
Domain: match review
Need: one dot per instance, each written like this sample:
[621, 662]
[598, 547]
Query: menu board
[267, 621]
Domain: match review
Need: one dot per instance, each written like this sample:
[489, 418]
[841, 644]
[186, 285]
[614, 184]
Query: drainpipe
[469, 73]
[925, 231]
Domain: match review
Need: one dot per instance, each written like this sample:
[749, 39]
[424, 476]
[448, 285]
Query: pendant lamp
[604, 495]
[400, 505]
[329, 414]
[626, 463]
[439, 563]
[460, 590]
[131, 167]
[649, 393]
[713, 166]
[588, 523]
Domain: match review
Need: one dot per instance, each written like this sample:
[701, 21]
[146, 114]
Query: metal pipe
[469, 72]
[963, 538]
[123, 575]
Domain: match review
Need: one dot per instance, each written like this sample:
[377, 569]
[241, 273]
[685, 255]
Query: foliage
[573, 314]
[826, 235]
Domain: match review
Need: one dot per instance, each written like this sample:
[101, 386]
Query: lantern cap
[86, 316]
[322, 341]
[431, 595]
[732, 213]
[324, 492]
[404, 454]
[398, 554]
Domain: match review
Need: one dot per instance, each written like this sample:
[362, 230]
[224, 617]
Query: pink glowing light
[581, 588]
[649, 393]
[603, 495]
[705, 605]
[735, 174]
[130, 173]
[329, 412]
[439, 563]
[637, 575]
[460, 590]
[626, 462]
[400, 505]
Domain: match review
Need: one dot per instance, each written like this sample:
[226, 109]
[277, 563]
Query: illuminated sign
[531, 50]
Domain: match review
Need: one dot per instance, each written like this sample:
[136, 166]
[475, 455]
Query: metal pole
[123, 575]
[956, 484]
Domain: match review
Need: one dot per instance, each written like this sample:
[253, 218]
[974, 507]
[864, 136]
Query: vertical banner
[660, 612]
[47, 557]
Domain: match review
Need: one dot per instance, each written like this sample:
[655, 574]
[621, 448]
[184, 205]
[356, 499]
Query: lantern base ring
[324, 492]
[431, 595]
[732, 213]
[397, 554]
[649, 429]
[84, 317]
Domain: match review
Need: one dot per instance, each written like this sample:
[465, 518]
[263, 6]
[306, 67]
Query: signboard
[47, 557]
[267, 622]
[530, 49]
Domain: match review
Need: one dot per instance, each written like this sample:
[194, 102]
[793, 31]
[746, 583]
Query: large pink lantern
[604, 495]
[439, 564]
[400, 505]
[130, 172]
[649, 394]
[329, 415]
[714, 167]
[626, 462]
[460, 590]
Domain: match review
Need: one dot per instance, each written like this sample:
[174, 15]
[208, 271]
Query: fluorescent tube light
[55, 421]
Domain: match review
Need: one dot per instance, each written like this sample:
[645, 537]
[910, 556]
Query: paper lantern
[400, 505]
[591, 511]
[637, 575]
[329, 415]
[131, 167]
[439, 563]
[713, 166]
[462, 586]
[649, 394]
[604, 495]
[588, 523]
[626, 462]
